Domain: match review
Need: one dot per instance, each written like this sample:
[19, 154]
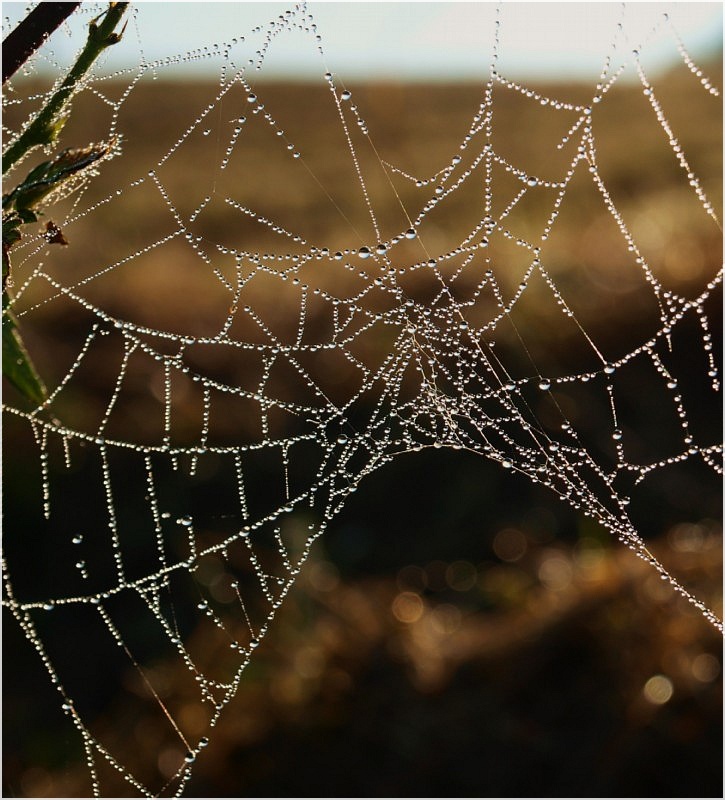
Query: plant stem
[44, 127]
[22, 42]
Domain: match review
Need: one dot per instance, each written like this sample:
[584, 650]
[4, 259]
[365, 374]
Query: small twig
[22, 42]
[45, 127]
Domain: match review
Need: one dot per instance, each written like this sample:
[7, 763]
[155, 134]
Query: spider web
[314, 359]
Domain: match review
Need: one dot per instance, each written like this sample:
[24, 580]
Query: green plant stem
[44, 127]
[18, 367]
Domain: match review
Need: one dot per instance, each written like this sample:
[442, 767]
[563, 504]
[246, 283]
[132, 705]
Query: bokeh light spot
[461, 576]
[509, 544]
[556, 573]
[686, 538]
[658, 690]
[446, 618]
[407, 607]
[705, 668]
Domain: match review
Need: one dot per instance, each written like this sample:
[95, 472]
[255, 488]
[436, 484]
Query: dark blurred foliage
[503, 648]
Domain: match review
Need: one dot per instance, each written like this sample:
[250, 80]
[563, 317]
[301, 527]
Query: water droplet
[609, 369]
[617, 434]
[190, 758]
[381, 249]
[252, 98]
[410, 233]
[346, 95]
[77, 539]
[544, 385]
[532, 182]
[364, 252]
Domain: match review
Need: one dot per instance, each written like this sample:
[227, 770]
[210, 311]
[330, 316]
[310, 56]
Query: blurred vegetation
[457, 632]
[24, 203]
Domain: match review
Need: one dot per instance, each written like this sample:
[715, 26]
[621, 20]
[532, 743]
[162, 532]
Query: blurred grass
[413, 658]
[586, 254]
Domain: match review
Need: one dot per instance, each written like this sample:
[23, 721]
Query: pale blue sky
[407, 40]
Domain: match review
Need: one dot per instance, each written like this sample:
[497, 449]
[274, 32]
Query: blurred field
[678, 240]
[457, 633]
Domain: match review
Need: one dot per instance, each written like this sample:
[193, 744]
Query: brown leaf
[54, 234]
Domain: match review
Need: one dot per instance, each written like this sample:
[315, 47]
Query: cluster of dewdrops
[460, 376]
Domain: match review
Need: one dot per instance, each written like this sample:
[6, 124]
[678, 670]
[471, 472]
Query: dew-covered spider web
[275, 301]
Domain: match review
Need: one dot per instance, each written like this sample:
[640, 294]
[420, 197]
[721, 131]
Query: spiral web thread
[446, 379]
